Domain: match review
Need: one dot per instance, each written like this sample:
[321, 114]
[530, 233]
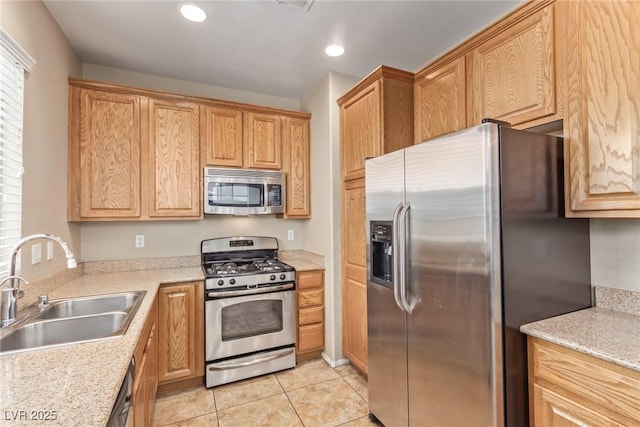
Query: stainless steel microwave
[243, 191]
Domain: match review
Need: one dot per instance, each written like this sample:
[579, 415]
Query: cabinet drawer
[311, 337]
[310, 298]
[307, 316]
[310, 279]
[609, 385]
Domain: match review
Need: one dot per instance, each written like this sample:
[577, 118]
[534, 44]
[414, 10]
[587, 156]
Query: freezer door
[387, 359]
[454, 338]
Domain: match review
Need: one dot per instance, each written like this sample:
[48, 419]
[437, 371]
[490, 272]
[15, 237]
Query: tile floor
[312, 394]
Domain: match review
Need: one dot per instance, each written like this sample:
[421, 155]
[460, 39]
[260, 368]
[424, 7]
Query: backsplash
[618, 299]
[98, 267]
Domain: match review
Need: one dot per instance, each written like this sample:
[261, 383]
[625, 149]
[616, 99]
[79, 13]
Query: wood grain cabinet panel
[355, 299]
[104, 150]
[354, 230]
[174, 159]
[296, 165]
[602, 123]
[360, 121]
[310, 314]
[223, 136]
[440, 104]
[146, 377]
[262, 140]
[181, 331]
[574, 389]
[512, 75]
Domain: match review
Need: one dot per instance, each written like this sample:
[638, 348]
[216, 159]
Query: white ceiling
[266, 47]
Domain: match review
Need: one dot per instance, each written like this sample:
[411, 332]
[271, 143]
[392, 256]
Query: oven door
[245, 324]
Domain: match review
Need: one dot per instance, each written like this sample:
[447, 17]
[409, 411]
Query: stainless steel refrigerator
[467, 241]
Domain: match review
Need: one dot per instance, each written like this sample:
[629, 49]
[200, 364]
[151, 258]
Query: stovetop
[243, 263]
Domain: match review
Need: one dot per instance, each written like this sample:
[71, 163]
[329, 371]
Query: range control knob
[272, 277]
[220, 282]
[282, 276]
[232, 281]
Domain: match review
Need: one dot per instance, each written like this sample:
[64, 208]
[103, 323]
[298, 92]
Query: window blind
[13, 63]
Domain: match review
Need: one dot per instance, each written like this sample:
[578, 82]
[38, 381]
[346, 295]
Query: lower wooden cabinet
[568, 388]
[310, 307]
[145, 383]
[181, 331]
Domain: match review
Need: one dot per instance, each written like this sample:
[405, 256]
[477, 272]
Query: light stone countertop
[80, 381]
[302, 260]
[601, 332]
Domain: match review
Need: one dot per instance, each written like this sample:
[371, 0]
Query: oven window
[252, 318]
[230, 194]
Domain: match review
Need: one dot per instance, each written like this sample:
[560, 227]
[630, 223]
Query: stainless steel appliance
[243, 191]
[467, 241]
[119, 416]
[250, 309]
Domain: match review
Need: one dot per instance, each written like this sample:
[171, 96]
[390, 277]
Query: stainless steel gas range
[250, 308]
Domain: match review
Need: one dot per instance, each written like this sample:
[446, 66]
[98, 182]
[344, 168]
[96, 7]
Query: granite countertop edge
[79, 382]
[599, 332]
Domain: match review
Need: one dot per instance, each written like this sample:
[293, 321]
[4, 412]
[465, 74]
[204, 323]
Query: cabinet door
[440, 101]
[174, 159]
[354, 291]
[553, 410]
[355, 316]
[602, 124]
[140, 396]
[108, 155]
[512, 75]
[296, 167]
[360, 127]
[223, 136]
[180, 334]
[262, 141]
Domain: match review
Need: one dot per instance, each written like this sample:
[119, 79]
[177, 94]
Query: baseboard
[334, 363]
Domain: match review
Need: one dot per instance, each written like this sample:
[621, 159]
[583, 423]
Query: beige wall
[321, 234]
[615, 253]
[148, 81]
[45, 129]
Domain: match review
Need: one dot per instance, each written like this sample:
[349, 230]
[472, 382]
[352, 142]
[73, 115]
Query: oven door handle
[251, 362]
[263, 290]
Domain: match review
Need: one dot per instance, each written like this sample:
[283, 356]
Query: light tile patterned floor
[312, 394]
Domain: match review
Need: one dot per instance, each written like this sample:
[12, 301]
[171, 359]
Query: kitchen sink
[63, 331]
[72, 320]
[86, 306]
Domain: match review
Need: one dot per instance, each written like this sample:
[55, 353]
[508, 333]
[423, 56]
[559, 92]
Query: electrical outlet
[36, 253]
[290, 235]
[49, 251]
[140, 241]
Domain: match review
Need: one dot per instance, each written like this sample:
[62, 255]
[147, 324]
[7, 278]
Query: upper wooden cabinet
[440, 105]
[104, 154]
[512, 75]
[263, 141]
[174, 159]
[602, 121]
[223, 136]
[376, 117]
[131, 157]
[296, 164]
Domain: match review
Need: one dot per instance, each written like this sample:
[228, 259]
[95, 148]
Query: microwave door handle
[402, 227]
[395, 248]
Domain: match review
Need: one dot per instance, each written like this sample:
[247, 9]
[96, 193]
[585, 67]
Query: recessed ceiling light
[193, 12]
[334, 50]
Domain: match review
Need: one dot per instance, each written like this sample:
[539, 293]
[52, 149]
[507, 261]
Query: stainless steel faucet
[10, 295]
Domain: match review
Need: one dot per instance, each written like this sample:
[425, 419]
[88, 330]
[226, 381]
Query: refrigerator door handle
[396, 257]
[402, 232]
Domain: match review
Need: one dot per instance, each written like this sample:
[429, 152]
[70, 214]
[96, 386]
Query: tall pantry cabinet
[376, 117]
